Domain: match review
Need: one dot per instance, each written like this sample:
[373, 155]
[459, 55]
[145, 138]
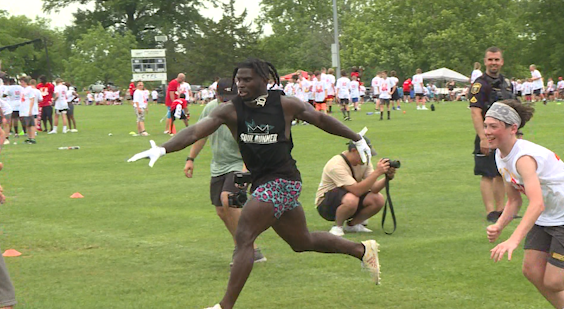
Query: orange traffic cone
[11, 252]
[173, 129]
[76, 195]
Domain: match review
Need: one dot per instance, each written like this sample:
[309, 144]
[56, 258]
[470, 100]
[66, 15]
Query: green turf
[148, 237]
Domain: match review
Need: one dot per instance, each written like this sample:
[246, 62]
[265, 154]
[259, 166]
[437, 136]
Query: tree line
[400, 35]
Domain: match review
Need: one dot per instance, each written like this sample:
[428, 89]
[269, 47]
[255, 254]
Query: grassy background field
[149, 238]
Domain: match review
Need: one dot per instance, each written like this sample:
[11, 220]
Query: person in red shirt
[171, 95]
[131, 89]
[407, 90]
[179, 110]
[46, 106]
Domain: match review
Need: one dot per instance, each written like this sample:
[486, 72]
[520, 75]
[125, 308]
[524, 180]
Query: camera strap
[348, 163]
[392, 212]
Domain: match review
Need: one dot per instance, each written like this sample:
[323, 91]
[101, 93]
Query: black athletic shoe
[493, 216]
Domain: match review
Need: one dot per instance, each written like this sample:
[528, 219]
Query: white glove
[152, 154]
[362, 147]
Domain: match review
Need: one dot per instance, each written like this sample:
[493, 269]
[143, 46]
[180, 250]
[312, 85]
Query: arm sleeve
[477, 95]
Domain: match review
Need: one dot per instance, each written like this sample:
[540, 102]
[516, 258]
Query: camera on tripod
[239, 198]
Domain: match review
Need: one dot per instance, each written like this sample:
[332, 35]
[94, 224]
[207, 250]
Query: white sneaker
[218, 306]
[65, 131]
[52, 132]
[365, 222]
[7, 142]
[166, 132]
[358, 228]
[294, 122]
[74, 130]
[145, 134]
[424, 108]
[418, 107]
[337, 231]
[370, 259]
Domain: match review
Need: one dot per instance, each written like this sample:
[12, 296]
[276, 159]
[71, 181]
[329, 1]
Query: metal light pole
[335, 50]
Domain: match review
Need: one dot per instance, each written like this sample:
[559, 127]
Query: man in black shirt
[486, 90]
[260, 121]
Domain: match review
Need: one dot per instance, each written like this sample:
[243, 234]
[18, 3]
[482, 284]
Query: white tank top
[550, 170]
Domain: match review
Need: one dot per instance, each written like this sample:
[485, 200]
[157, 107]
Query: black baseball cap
[227, 89]
[351, 145]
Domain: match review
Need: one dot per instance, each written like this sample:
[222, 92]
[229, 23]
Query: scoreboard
[149, 64]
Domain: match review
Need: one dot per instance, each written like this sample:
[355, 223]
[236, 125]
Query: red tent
[289, 76]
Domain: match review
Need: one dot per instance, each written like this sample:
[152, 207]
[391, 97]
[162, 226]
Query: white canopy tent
[445, 74]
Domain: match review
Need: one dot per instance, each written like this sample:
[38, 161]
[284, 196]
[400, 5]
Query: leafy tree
[302, 33]
[142, 18]
[30, 59]
[101, 54]
[218, 47]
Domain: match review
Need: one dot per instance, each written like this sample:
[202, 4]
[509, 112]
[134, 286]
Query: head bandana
[505, 113]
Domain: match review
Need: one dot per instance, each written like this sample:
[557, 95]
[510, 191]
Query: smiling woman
[538, 173]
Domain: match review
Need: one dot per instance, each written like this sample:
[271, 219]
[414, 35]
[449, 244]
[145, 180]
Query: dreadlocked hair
[263, 68]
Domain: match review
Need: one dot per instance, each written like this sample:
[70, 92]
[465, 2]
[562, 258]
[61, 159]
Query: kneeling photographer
[350, 191]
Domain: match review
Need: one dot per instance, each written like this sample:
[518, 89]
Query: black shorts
[537, 92]
[222, 183]
[15, 114]
[376, 96]
[332, 200]
[519, 93]
[385, 101]
[47, 112]
[70, 111]
[28, 121]
[343, 101]
[485, 166]
[551, 93]
[419, 95]
[549, 239]
[395, 96]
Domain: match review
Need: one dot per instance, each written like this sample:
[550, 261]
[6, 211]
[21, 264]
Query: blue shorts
[354, 100]
[168, 114]
[280, 192]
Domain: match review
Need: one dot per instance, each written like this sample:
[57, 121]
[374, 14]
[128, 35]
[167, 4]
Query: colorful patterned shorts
[280, 192]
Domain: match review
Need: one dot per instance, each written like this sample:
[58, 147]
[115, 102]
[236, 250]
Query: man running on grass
[260, 121]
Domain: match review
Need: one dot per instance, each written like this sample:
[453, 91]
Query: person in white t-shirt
[140, 105]
[355, 92]
[375, 84]
[550, 89]
[419, 90]
[187, 90]
[560, 89]
[343, 86]
[109, 96]
[330, 84]
[306, 89]
[395, 93]
[154, 95]
[117, 97]
[537, 173]
[72, 100]
[476, 73]
[99, 98]
[319, 89]
[89, 98]
[15, 92]
[386, 87]
[6, 111]
[538, 84]
[289, 88]
[61, 105]
[528, 89]
[29, 108]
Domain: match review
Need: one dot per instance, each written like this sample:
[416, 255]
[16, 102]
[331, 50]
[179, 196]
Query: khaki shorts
[549, 239]
[7, 294]
[140, 115]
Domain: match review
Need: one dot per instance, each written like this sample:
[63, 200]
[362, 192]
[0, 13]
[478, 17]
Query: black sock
[344, 113]
[388, 114]
[381, 115]
[330, 108]
[349, 114]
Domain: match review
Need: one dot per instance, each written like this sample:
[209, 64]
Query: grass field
[149, 238]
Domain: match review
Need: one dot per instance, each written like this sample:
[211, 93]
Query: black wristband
[190, 159]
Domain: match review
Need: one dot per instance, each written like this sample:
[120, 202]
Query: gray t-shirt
[225, 151]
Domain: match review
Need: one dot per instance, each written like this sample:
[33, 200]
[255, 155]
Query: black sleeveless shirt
[262, 141]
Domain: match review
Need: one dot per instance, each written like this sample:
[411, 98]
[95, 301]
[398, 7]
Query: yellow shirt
[337, 173]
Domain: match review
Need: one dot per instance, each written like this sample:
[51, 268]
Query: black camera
[394, 163]
[239, 198]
